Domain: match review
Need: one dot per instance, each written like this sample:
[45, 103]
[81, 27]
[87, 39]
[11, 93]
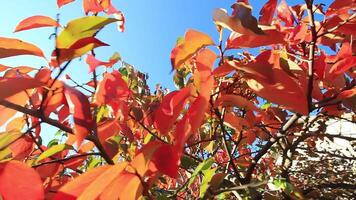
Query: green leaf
[81, 28]
[266, 105]
[206, 164]
[8, 138]
[208, 175]
[52, 143]
[187, 162]
[51, 151]
[93, 162]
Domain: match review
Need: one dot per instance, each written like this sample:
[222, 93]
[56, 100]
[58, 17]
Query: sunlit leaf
[267, 12]
[52, 151]
[80, 28]
[193, 41]
[36, 22]
[15, 47]
[11, 86]
[79, 107]
[61, 3]
[19, 181]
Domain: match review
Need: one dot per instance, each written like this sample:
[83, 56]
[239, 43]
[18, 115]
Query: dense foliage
[247, 119]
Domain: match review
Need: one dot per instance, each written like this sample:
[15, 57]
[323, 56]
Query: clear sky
[152, 28]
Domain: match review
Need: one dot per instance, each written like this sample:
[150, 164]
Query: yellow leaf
[81, 28]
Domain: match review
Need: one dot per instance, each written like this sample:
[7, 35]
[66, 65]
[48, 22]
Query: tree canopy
[251, 117]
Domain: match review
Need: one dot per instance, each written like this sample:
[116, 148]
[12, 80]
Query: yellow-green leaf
[81, 28]
[8, 138]
[51, 151]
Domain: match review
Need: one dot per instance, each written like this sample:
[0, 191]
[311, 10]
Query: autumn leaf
[78, 49]
[284, 91]
[230, 100]
[61, 3]
[343, 65]
[260, 68]
[203, 79]
[105, 182]
[94, 63]
[267, 12]
[112, 90]
[79, 107]
[85, 27]
[284, 13]
[240, 21]
[36, 22]
[169, 109]
[192, 42]
[26, 185]
[271, 36]
[14, 47]
[12, 86]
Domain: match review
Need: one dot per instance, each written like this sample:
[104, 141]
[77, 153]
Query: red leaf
[112, 90]
[61, 3]
[11, 86]
[320, 65]
[22, 147]
[14, 47]
[94, 63]
[36, 22]
[78, 49]
[79, 107]
[169, 110]
[167, 160]
[191, 122]
[343, 65]
[285, 14]
[267, 12]
[18, 181]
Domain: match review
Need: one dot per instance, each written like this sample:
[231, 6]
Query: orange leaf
[272, 36]
[79, 107]
[12, 86]
[22, 147]
[284, 91]
[203, 78]
[6, 113]
[36, 22]
[61, 3]
[193, 41]
[261, 68]
[15, 47]
[267, 12]
[112, 90]
[73, 189]
[234, 100]
[169, 110]
[26, 185]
